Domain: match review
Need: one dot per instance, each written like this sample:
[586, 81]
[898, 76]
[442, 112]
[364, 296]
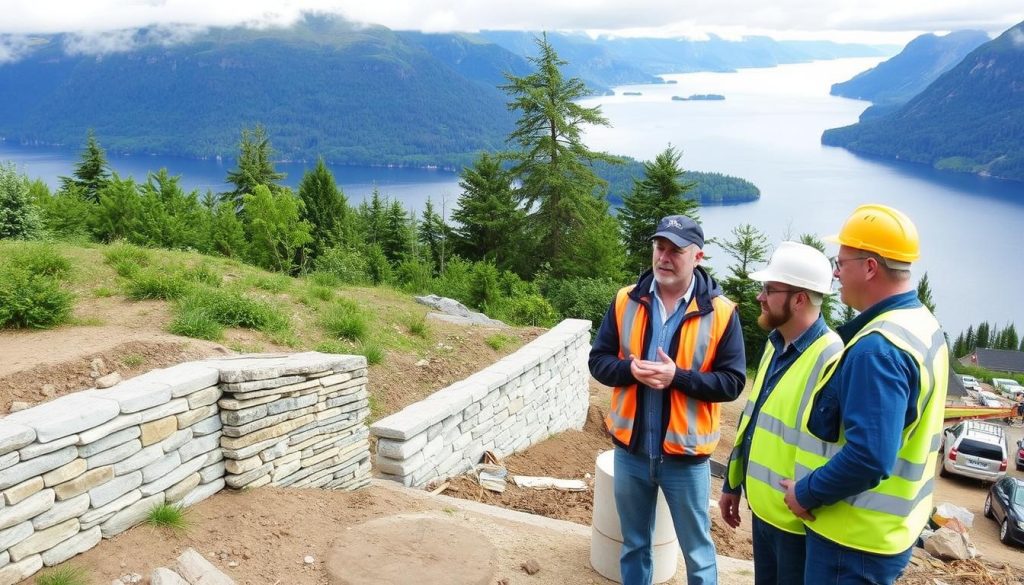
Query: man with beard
[800, 349]
[672, 347]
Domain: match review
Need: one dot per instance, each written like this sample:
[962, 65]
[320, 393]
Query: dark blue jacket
[723, 383]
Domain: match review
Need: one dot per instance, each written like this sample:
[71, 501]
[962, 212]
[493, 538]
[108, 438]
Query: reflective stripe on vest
[693, 427]
[776, 435]
[888, 518]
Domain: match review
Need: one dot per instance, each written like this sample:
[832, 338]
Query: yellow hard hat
[882, 230]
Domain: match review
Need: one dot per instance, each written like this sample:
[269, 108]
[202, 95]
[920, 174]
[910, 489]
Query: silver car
[974, 449]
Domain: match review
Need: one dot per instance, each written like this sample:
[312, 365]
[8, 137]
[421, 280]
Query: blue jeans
[829, 563]
[778, 555]
[686, 487]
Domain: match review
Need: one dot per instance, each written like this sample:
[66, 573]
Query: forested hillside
[321, 88]
[971, 119]
[920, 63]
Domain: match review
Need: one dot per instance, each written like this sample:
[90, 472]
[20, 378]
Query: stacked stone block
[300, 423]
[92, 464]
[538, 391]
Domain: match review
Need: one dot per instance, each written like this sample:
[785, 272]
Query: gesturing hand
[654, 374]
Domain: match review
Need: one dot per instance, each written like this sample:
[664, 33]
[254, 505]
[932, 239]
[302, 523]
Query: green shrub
[32, 301]
[346, 265]
[197, 323]
[378, 268]
[38, 259]
[499, 341]
[582, 298]
[414, 276]
[417, 326]
[157, 284]
[454, 281]
[334, 346]
[525, 310]
[484, 290]
[345, 320]
[133, 359]
[168, 516]
[63, 575]
[102, 292]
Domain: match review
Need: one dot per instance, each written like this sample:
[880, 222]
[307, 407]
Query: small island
[699, 97]
[632, 93]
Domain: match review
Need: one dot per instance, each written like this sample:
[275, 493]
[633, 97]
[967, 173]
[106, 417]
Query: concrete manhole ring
[411, 548]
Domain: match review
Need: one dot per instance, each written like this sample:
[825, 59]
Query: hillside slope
[971, 119]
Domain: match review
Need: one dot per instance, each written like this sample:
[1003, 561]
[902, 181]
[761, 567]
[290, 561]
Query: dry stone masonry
[540, 390]
[91, 465]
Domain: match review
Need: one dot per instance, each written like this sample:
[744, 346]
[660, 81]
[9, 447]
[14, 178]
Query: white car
[970, 382]
[1007, 386]
[987, 398]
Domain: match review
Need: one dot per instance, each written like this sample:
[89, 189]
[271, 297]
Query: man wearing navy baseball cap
[672, 349]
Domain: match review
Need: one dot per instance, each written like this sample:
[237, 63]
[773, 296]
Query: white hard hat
[798, 265]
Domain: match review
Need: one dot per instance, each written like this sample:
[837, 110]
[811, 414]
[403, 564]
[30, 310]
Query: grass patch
[324, 279]
[499, 341]
[197, 323]
[275, 283]
[322, 293]
[168, 516]
[345, 320]
[373, 353]
[157, 284]
[85, 321]
[202, 274]
[103, 292]
[132, 360]
[64, 575]
[242, 347]
[127, 259]
[417, 326]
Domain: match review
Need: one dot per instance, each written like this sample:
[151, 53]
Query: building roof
[956, 386]
[1000, 360]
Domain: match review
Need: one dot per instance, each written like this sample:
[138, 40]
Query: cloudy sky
[844, 20]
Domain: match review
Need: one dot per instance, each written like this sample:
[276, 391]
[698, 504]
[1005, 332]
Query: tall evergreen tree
[661, 192]
[1009, 338]
[983, 334]
[325, 209]
[396, 239]
[748, 247]
[372, 217]
[575, 233]
[255, 166]
[433, 233]
[958, 346]
[924, 293]
[489, 220]
[970, 340]
[92, 173]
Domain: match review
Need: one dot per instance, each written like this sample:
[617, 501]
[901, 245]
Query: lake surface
[768, 131]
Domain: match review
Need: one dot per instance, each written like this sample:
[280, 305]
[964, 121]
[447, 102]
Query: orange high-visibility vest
[693, 425]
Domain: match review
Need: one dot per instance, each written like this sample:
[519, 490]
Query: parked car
[974, 449]
[1020, 455]
[970, 382]
[1005, 505]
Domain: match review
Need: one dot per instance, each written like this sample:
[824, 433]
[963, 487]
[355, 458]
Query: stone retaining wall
[540, 390]
[92, 464]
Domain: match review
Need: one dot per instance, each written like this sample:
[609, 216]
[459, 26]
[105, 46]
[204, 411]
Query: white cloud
[1017, 37]
[780, 18]
[13, 47]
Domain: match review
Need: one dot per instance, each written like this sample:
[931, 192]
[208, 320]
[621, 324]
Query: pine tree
[325, 209]
[958, 346]
[397, 236]
[982, 336]
[489, 220]
[570, 216]
[92, 173]
[748, 247]
[255, 166]
[433, 234]
[661, 192]
[970, 340]
[924, 293]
